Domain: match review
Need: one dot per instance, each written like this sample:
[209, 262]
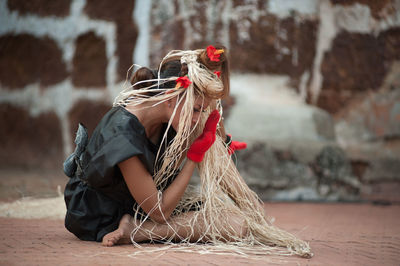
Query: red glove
[236, 145]
[205, 140]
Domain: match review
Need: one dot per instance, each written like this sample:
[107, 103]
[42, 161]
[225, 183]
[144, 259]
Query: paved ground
[339, 234]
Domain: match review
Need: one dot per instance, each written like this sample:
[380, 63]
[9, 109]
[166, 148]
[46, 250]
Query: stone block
[333, 167]
[274, 112]
[88, 113]
[390, 41]
[354, 65]
[58, 8]
[374, 117]
[273, 173]
[383, 170]
[278, 175]
[89, 62]
[127, 32]
[167, 30]
[271, 45]
[297, 194]
[104, 9]
[26, 59]
[29, 142]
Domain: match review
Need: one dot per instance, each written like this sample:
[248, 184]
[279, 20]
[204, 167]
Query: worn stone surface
[383, 170]
[88, 113]
[359, 73]
[206, 24]
[354, 65]
[185, 25]
[376, 116]
[287, 46]
[167, 30]
[25, 59]
[359, 168]
[369, 128]
[383, 192]
[267, 172]
[334, 170]
[126, 39]
[29, 142]
[89, 62]
[324, 125]
[40, 7]
[274, 46]
[261, 41]
[376, 7]
[278, 175]
[273, 111]
[127, 31]
[390, 42]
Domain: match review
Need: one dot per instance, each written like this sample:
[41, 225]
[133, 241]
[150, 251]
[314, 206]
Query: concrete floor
[339, 234]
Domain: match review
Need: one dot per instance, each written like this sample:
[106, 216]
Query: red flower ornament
[214, 54]
[218, 73]
[182, 82]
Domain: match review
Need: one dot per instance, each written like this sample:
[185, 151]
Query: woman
[128, 181]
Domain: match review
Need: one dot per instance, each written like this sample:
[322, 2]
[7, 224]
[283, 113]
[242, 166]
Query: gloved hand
[236, 145]
[205, 140]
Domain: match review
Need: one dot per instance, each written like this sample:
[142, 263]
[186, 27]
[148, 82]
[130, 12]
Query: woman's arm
[141, 184]
[144, 191]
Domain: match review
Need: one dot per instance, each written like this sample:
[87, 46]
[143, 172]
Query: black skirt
[96, 195]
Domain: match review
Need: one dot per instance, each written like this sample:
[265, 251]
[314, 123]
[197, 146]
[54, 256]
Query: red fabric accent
[236, 145]
[183, 82]
[199, 147]
[211, 53]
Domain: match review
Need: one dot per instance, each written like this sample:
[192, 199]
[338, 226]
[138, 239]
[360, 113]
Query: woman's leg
[188, 226]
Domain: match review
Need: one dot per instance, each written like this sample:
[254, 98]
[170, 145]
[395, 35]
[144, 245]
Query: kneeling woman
[129, 182]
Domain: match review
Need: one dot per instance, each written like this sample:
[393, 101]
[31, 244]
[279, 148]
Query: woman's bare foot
[122, 235]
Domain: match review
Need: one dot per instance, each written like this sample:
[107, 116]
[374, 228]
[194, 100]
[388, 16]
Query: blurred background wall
[315, 84]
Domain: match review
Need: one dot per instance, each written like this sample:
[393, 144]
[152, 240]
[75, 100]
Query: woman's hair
[217, 168]
[172, 67]
[142, 74]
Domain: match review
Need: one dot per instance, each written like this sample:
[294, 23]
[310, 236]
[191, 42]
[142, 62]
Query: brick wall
[60, 63]
[64, 61]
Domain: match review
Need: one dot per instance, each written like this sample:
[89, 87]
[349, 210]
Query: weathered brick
[390, 42]
[167, 31]
[354, 65]
[88, 113]
[127, 31]
[274, 46]
[90, 61]
[198, 24]
[59, 8]
[29, 142]
[258, 53]
[25, 59]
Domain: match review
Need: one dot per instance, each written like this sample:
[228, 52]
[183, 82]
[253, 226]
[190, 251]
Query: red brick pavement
[339, 234]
